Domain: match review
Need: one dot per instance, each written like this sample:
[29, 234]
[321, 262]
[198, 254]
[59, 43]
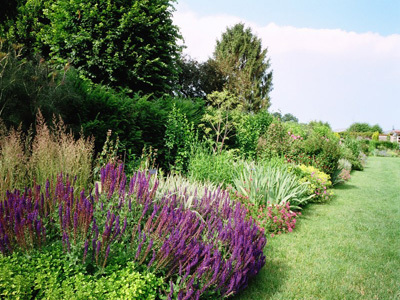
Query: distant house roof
[340, 130]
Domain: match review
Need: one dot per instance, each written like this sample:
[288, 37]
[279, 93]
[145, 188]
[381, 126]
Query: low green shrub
[352, 149]
[381, 145]
[318, 151]
[205, 166]
[50, 274]
[275, 142]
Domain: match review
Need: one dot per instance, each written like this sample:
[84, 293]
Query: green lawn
[346, 249]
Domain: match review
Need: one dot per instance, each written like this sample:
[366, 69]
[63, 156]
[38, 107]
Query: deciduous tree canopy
[130, 44]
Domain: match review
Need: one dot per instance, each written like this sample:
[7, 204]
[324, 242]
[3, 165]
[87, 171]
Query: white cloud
[328, 74]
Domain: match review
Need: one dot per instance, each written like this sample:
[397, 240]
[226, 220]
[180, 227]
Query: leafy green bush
[275, 142]
[138, 121]
[353, 153]
[205, 166]
[318, 151]
[179, 140]
[297, 129]
[249, 130]
[382, 145]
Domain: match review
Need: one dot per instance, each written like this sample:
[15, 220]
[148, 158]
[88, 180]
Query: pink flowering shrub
[273, 219]
[280, 219]
[344, 175]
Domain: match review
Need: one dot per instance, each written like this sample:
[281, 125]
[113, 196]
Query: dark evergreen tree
[246, 69]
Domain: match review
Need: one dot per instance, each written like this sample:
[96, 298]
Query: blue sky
[335, 61]
[380, 16]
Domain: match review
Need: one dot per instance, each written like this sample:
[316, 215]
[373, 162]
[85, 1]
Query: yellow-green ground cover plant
[319, 182]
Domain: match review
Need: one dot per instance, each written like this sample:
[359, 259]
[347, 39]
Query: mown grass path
[346, 249]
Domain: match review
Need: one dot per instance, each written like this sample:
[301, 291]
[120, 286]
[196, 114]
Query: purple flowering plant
[210, 249]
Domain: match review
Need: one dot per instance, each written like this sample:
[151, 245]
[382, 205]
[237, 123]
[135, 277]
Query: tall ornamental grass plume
[13, 173]
[55, 150]
[209, 249]
[25, 160]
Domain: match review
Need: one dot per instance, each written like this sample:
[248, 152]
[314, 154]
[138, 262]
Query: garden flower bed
[208, 249]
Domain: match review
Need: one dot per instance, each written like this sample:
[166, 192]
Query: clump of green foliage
[352, 150]
[48, 274]
[320, 149]
[275, 142]
[248, 131]
[180, 138]
[218, 168]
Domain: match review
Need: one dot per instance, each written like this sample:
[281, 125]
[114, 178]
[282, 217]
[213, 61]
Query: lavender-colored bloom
[47, 188]
[75, 220]
[171, 290]
[106, 255]
[124, 227]
[66, 241]
[153, 258]
[139, 249]
[98, 247]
